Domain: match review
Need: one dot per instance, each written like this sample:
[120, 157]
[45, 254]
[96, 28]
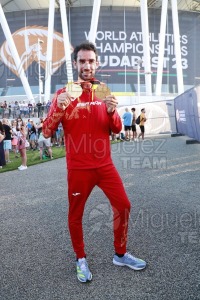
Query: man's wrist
[111, 113]
[58, 109]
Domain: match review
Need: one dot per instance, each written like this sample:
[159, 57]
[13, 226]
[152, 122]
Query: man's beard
[86, 78]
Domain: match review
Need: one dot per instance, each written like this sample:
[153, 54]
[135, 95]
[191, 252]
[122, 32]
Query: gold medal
[75, 90]
[102, 90]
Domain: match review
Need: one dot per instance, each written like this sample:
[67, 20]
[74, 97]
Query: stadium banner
[118, 39]
[187, 111]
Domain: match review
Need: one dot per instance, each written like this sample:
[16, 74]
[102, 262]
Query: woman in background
[21, 135]
[32, 138]
[14, 138]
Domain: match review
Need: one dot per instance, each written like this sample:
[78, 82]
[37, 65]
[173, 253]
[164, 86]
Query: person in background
[134, 125]
[43, 142]
[54, 139]
[28, 129]
[5, 105]
[32, 139]
[14, 141]
[30, 109]
[21, 135]
[87, 122]
[59, 135]
[39, 108]
[48, 106]
[12, 105]
[7, 139]
[127, 117]
[16, 110]
[39, 127]
[2, 153]
[142, 121]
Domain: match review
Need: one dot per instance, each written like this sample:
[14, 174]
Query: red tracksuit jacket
[87, 126]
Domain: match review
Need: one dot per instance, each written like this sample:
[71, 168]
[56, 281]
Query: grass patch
[33, 158]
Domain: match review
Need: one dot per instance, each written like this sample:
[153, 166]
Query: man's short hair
[133, 108]
[85, 46]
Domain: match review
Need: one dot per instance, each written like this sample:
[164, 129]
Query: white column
[161, 46]
[15, 55]
[139, 62]
[67, 46]
[177, 46]
[48, 69]
[94, 21]
[40, 82]
[146, 45]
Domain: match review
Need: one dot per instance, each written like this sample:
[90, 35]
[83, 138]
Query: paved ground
[161, 177]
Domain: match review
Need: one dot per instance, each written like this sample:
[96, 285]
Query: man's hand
[111, 103]
[64, 99]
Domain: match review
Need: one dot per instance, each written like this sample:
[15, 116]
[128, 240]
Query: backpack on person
[137, 121]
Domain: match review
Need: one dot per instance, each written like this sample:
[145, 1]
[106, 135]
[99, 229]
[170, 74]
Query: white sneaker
[129, 261]
[22, 168]
[83, 271]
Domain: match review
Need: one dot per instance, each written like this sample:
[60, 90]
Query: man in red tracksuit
[87, 122]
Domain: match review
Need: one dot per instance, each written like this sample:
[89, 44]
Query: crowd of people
[130, 122]
[24, 109]
[19, 135]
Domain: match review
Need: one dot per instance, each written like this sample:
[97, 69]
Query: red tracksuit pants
[80, 184]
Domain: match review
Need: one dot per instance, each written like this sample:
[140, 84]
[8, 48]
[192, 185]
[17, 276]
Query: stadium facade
[119, 40]
[130, 54]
